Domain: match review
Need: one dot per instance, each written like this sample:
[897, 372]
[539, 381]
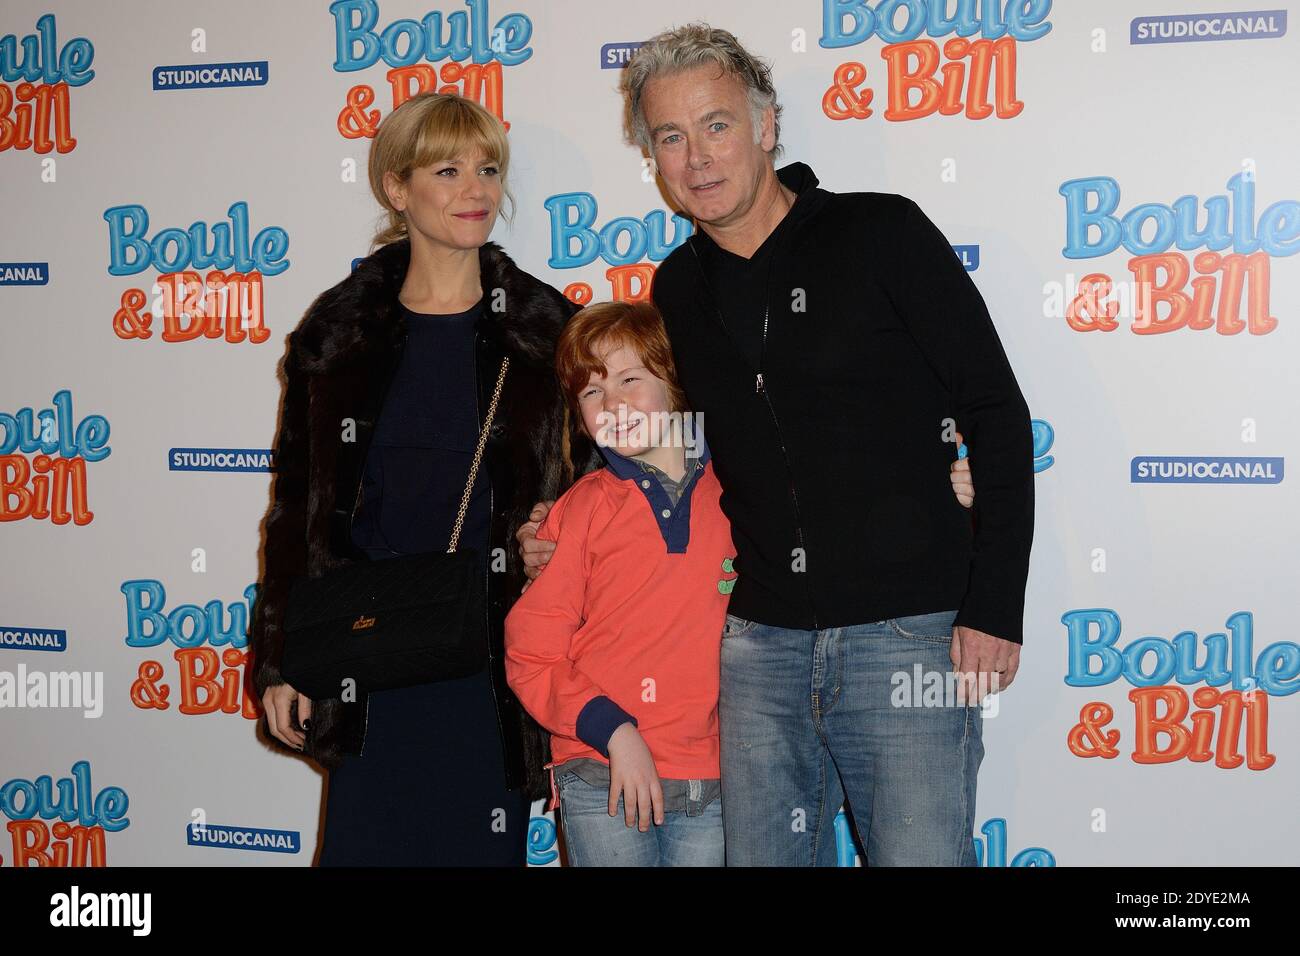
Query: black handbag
[393, 622]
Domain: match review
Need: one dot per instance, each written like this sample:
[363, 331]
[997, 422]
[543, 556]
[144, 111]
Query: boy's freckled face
[618, 408]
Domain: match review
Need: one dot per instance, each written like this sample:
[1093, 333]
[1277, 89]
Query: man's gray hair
[689, 46]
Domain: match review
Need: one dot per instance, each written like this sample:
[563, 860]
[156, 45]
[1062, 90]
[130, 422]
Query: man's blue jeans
[808, 718]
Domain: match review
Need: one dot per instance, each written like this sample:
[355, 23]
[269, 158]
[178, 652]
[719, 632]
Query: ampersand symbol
[128, 322]
[843, 101]
[354, 122]
[146, 692]
[579, 293]
[1092, 718]
[1086, 311]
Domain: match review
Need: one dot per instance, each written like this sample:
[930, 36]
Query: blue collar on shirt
[674, 522]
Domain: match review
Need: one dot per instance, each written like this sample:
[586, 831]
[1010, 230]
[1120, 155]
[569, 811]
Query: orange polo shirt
[625, 621]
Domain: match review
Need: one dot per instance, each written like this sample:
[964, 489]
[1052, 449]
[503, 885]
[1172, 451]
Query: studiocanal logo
[33, 639]
[24, 273]
[1220, 470]
[1191, 27]
[220, 459]
[615, 56]
[200, 833]
[205, 76]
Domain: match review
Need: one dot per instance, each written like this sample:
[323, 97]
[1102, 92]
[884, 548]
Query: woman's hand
[632, 772]
[278, 703]
[533, 551]
[963, 485]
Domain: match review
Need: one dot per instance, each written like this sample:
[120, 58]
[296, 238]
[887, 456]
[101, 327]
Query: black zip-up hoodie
[833, 455]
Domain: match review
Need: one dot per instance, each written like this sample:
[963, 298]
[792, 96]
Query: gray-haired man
[829, 341]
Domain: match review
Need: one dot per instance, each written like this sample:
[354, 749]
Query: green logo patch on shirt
[726, 584]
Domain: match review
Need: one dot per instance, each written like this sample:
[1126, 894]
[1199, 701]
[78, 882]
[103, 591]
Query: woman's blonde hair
[430, 128]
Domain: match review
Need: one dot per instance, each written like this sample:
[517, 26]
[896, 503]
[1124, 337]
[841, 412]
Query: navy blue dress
[429, 787]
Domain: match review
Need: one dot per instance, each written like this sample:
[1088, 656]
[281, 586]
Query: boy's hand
[632, 772]
[963, 485]
[534, 552]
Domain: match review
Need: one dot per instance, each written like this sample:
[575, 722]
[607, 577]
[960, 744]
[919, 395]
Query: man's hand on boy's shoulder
[534, 551]
[963, 485]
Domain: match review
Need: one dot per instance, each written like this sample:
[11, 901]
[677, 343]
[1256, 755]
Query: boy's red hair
[605, 326]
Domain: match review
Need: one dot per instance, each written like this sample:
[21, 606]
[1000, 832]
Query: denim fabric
[689, 837]
[678, 794]
[808, 718]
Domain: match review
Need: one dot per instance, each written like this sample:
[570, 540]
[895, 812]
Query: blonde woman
[388, 380]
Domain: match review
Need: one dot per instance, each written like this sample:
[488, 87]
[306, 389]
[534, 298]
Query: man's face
[703, 142]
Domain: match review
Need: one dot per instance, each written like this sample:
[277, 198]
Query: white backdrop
[1155, 121]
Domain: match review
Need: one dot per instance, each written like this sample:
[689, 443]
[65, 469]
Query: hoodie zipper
[761, 390]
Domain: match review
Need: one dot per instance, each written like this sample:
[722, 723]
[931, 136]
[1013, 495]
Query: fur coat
[337, 366]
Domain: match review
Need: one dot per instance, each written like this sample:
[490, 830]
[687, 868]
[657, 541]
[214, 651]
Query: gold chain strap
[478, 456]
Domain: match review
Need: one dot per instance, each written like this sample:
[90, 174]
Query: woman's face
[451, 202]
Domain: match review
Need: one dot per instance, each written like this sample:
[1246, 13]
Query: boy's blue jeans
[689, 837]
[806, 718]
